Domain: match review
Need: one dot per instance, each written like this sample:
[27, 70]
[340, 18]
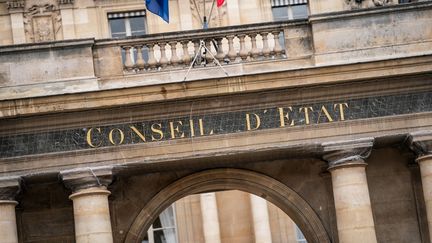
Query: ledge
[370, 11]
[47, 45]
[216, 86]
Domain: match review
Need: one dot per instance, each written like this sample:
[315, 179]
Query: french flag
[220, 2]
[161, 8]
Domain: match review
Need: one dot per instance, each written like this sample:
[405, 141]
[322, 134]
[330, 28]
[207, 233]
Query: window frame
[289, 5]
[151, 230]
[126, 16]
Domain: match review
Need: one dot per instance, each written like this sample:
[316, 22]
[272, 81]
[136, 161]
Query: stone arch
[232, 179]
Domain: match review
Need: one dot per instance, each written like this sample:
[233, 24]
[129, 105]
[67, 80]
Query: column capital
[83, 178]
[15, 6]
[347, 153]
[10, 187]
[420, 142]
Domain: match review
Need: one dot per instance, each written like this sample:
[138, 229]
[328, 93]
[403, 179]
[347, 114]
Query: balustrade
[176, 52]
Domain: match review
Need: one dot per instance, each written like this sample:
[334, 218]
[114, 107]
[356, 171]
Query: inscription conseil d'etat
[211, 124]
[189, 127]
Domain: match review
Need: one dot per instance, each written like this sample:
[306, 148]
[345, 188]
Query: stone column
[210, 218]
[90, 203]
[261, 219]
[421, 144]
[354, 217]
[9, 188]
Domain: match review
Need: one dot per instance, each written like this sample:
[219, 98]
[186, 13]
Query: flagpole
[205, 26]
[197, 9]
[211, 11]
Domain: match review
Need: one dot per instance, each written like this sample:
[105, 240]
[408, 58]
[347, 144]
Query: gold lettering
[192, 130]
[306, 112]
[111, 139]
[326, 113]
[89, 138]
[282, 117]
[341, 110]
[176, 129]
[138, 133]
[248, 122]
[158, 131]
[201, 127]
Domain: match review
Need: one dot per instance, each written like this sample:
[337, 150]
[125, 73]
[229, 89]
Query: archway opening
[228, 179]
[223, 216]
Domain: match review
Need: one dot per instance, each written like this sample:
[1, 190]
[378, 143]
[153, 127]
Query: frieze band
[198, 125]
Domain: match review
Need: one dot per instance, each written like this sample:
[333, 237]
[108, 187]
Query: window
[163, 229]
[127, 24]
[299, 235]
[289, 9]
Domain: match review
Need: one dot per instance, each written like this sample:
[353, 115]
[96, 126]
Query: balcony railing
[224, 46]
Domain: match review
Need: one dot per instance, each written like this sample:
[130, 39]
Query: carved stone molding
[10, 187]
[83, 178]
[420, 142]
[15, 4]
[382, 2]
[347, 153]
[42, 21]
[355, 4]
[60, 2]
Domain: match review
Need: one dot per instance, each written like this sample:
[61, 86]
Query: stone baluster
[354, 217]
[175, 60]
[243, 52]
[220, 53]
[266, 50]
[277, 47]
[197, 51]
[128, 64]
[208, 56]
[186, 57]
[90, 203]
[140, 63]
[254, 51]
[9, 189]
[232, 54]
[421, 143]
[163, 60]
[152, 62]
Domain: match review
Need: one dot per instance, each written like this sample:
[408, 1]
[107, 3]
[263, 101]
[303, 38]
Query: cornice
[304, 77]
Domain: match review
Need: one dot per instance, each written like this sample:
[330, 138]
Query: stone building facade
[320, 107]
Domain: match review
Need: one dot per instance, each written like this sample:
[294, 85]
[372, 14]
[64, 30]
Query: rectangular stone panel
[211, 124]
